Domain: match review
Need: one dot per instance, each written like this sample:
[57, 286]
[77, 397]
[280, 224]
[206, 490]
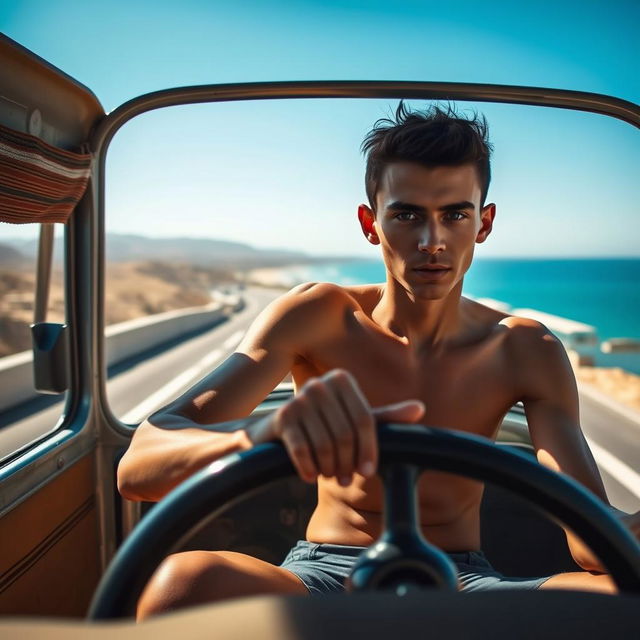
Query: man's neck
[417, 321]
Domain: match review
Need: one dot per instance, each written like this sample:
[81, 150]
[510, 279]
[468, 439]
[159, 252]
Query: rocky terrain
[144, 276]
[133, 289]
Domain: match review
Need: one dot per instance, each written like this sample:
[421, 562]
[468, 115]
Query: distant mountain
[10, 256]
[124, 248]
[200, 251]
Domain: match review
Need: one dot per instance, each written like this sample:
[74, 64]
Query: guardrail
[123, 340]
[127, 339]
[16, 379]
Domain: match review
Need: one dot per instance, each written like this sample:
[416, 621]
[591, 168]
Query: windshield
[218, 209]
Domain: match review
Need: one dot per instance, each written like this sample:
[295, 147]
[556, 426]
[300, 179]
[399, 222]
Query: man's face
[427, 222]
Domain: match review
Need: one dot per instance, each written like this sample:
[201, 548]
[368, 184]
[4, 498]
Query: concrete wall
[127, 339]
[16, 379]
[123, 340]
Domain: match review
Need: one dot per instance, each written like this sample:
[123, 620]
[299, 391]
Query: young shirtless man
[410, 350]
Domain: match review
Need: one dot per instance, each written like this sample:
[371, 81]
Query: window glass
[25, 415]
[219, 208]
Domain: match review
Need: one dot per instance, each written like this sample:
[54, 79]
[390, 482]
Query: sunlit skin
[409, 350]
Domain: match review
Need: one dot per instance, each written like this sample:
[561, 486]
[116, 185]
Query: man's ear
[368, 223]
[487, 215]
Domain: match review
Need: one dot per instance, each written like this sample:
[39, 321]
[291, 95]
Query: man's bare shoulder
[302, 316]
[484, 321]
[308, 298]
[538, 358]
[334, 295]
[365, 296]
[527, 334]
[314, 296]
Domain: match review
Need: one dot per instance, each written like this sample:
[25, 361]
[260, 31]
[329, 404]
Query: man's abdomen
[353, 515]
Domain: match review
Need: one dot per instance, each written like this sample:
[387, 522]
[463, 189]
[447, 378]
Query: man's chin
[428, 291]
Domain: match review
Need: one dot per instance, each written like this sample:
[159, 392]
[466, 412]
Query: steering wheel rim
[235, 477]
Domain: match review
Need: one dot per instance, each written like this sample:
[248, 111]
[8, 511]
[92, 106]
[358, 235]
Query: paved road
[159, 378]
[614, 438]
[152, 383]
[135, 392]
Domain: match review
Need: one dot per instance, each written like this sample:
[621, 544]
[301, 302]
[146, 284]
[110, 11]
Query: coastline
[275, 277]
[616, 383]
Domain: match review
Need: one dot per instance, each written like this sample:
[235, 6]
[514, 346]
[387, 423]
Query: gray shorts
[323, 568]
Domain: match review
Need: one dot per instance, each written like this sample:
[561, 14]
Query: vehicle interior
[62, 520]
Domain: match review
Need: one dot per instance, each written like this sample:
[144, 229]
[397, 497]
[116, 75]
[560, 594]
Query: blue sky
[289, 174]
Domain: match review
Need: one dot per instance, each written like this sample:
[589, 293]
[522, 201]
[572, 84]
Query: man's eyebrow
[405, 206]
[398, 205]
[457, 206]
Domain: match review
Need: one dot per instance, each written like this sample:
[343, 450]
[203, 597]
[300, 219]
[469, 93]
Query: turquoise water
[604, 293]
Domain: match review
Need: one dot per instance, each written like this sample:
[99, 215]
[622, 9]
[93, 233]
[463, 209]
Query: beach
[272, 277]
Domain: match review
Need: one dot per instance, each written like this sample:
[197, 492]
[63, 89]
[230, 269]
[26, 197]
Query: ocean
[604, 293]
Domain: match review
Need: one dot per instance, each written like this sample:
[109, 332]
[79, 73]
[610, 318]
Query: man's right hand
[329, 429]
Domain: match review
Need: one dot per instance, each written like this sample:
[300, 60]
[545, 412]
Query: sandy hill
[133, 289]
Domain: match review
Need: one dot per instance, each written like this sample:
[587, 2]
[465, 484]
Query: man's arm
[205, 423]
[328, 428]
[547, 386]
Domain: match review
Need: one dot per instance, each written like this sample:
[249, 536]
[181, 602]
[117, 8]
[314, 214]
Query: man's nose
[431, 240]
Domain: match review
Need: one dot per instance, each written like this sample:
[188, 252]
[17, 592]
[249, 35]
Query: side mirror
[50, 357]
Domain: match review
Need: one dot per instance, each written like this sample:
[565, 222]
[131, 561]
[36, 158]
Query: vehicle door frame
[87, 420]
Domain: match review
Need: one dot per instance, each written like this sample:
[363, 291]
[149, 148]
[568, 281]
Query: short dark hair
[436, 137]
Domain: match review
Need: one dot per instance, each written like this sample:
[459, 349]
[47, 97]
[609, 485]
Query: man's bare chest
[467, 388]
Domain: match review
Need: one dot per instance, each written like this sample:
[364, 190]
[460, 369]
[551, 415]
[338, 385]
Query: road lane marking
[597, 396]
[233, 341]
[617, 469]
[191, 375]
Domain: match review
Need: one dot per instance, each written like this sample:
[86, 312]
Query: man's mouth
[432, 271]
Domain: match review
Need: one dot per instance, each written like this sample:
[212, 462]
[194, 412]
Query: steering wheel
[404, 557]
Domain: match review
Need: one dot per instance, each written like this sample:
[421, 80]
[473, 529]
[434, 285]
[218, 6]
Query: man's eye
[455, 215]
[405, 215]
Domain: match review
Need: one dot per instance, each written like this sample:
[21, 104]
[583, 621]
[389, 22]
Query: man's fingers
[330, 429]
[294, 438]
[345, 446]
[322, 445]
[300, 454]
[359, 414]
[336, 424]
